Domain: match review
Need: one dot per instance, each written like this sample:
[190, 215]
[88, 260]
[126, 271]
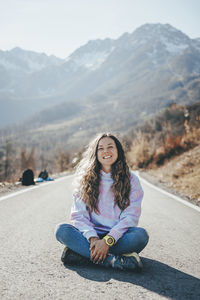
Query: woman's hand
[98, 250]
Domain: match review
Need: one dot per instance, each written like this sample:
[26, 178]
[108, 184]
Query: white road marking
[169, 194]
[42, 184]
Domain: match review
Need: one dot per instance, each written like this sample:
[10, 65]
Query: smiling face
[107, 153]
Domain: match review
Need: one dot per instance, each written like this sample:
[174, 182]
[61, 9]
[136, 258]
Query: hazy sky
[60, 26]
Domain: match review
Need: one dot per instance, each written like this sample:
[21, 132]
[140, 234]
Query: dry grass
[141, 152]
[175, 161]
[149, 150]
[182, 174]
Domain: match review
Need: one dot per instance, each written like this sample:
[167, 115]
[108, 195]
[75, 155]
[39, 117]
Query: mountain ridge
[134, 76]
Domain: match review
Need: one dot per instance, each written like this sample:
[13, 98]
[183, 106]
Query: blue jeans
[133, 240]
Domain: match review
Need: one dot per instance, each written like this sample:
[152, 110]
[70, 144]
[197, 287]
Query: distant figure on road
[28, 177]
[44, 176]
[105, 211]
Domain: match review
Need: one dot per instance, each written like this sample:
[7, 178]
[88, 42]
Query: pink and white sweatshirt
[111, 219]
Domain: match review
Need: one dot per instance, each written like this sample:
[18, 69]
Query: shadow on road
[156, 277]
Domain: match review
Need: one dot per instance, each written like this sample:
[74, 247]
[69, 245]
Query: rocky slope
[181, 175]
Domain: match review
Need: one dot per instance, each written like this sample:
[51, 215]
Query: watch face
[110, 241]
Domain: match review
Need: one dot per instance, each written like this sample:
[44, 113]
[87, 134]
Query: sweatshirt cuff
[89, 234]
[115, 234]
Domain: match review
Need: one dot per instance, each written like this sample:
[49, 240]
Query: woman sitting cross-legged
[105, 211]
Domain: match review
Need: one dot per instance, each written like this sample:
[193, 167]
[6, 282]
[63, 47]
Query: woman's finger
[94, 255]
[104, 257]
[100, 259]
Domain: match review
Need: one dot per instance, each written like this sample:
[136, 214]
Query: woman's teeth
[106, 156]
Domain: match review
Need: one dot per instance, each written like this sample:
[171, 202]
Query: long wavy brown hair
[88, 171]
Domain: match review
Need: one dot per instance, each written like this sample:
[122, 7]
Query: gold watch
[109, 240]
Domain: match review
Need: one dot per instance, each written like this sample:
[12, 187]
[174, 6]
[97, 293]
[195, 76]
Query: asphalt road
[30, 266]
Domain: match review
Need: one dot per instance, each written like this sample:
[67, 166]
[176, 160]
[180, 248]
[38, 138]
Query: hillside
[166, 150]
[181, 175]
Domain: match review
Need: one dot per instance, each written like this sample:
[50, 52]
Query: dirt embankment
[181, 175]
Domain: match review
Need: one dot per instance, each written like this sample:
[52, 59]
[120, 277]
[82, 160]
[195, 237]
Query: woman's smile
[106, 157]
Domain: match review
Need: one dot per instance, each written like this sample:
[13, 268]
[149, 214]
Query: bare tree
[63, 160]
[27, 160]
[8, 159]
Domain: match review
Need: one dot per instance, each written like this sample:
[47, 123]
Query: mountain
[17, 68]
[93, 54]
[18, 63]
[106, 84]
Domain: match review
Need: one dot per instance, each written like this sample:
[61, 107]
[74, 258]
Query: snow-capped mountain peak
[18, 59]
[93, 54]
[164, 33]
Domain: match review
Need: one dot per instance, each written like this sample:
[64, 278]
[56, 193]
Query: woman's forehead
[106, 141]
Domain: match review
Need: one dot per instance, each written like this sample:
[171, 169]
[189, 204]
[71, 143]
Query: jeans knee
[141, 234]
[144, 236]
[60, 230]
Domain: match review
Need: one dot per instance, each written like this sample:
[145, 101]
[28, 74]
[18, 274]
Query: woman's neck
[106, 169]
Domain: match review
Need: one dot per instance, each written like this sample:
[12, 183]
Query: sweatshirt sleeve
[129, 216]
[80, 218]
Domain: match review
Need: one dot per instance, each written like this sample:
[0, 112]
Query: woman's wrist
[93, 238]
